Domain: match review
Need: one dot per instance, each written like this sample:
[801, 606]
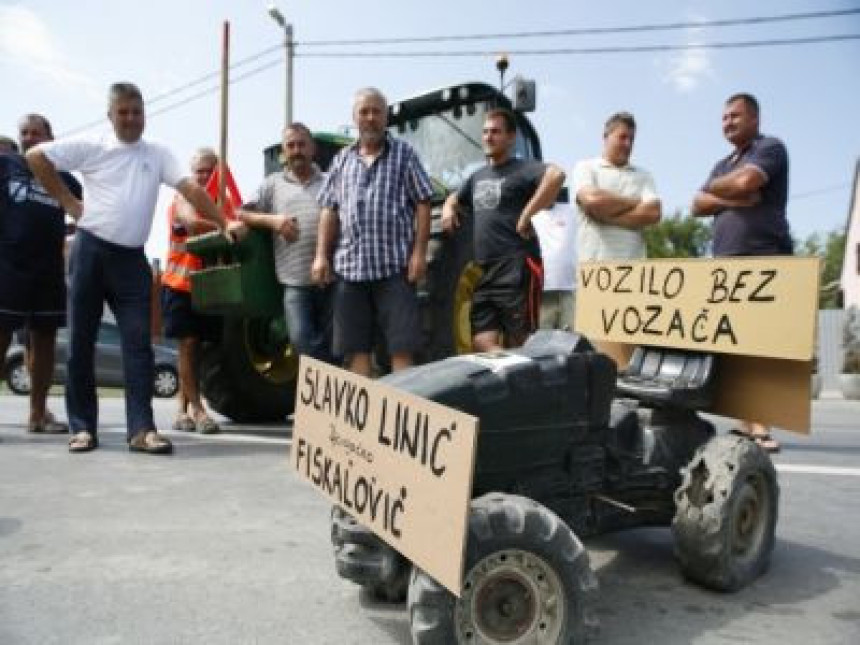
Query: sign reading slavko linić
[754, 306]
[399, 464]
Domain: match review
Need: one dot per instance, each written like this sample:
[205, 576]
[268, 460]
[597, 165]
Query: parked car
[108, 362]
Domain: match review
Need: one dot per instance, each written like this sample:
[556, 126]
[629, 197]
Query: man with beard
[287, 205]
[122, 174]
[32, 270]
[503, 197]
[746, 194]
[375, 224]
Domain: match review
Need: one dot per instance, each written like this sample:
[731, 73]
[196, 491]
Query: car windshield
[449, 142]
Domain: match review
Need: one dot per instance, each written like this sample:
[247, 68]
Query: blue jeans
[102, 272]
[308, 311]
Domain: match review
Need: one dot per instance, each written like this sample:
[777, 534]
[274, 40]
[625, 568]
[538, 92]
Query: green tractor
[249, 374]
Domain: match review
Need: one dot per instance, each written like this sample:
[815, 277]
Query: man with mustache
[746, 194]
[287, 205]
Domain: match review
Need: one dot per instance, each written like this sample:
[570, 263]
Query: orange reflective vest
[180, 263]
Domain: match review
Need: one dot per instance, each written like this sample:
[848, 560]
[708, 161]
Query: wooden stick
[225, 81]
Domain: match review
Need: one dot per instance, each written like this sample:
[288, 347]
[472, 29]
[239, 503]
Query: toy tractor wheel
[363, 558]
[727, 507]
[249, 375]
[528, 580]
[18, 376]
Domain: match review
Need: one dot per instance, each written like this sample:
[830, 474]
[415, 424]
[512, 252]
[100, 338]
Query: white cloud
[26, 41]
[686, 69]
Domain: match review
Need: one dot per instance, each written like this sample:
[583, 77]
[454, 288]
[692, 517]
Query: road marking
[811, 469]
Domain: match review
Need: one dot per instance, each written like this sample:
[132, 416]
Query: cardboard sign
[760, 312]
[750, 306]
[399, 464]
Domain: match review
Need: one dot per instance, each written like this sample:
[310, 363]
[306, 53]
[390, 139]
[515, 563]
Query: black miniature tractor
[568, 448]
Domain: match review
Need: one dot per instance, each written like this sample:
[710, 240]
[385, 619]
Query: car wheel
[166, 382]
[18, 377]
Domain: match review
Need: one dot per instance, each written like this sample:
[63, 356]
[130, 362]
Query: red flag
[234, 197]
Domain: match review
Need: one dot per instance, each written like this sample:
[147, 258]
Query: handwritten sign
[753, 306]
[399, 464]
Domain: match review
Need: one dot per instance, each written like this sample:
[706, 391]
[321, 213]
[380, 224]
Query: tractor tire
[447, 295]
[365, 559]
[727, 507]
[528, 580]
[249, 375]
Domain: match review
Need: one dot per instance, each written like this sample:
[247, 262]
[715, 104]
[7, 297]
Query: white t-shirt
[121, 182]
[598, 241]
[556, 231]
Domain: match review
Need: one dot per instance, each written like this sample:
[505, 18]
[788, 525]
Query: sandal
[150, 442]
[48, 425]
[765, 441]
[206, 425]
[184, 423]
[83, 441]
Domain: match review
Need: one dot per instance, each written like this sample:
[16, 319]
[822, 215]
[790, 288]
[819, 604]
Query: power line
[820, 191]
[567, 51]
[589, 31]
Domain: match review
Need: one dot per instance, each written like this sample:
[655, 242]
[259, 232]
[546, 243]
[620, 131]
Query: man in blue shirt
[32, 271]
[746, 194]
[375, 225]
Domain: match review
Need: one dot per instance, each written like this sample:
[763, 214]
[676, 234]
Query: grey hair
[370, 92]
[204, 153]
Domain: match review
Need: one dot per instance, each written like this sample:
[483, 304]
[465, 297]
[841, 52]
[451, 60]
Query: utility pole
[278, 17]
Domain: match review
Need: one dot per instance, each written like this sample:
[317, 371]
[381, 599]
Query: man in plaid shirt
[375, 223]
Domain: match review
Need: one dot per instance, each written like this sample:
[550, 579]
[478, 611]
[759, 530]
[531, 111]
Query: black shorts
[389, 305]
[180, 319]
[32, 292]
[507, 297]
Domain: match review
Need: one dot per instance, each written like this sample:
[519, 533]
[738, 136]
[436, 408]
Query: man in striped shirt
[374, 229]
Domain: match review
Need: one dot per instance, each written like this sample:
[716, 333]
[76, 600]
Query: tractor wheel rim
[277, 364]
[509, 597]
[750, 517]
[20, 379]
[462, 326]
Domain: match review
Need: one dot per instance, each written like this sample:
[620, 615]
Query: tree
[678, 236]
[831, 249]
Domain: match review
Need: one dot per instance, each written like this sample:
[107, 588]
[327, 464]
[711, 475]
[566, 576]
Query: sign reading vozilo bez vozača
[399, 464]
[755, 306]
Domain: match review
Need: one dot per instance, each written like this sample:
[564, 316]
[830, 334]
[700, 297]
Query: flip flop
[83, 441]
[184, 423]
[206, 425]
[765, 441]
[151, 443]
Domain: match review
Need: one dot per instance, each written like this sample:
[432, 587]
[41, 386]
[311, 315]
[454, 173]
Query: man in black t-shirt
[32, 270]
[503, 197]
[746, 194]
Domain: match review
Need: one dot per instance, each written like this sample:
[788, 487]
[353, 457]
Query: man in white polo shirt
[121, 175]
[615, 199]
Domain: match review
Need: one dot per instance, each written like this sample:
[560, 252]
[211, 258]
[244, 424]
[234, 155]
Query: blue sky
[58, 59]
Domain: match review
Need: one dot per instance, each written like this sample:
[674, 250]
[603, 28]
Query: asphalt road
[221, 544]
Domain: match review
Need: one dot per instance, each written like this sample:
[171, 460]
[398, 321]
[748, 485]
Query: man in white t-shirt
[615, 199]
[556, 231]
[121, 176]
